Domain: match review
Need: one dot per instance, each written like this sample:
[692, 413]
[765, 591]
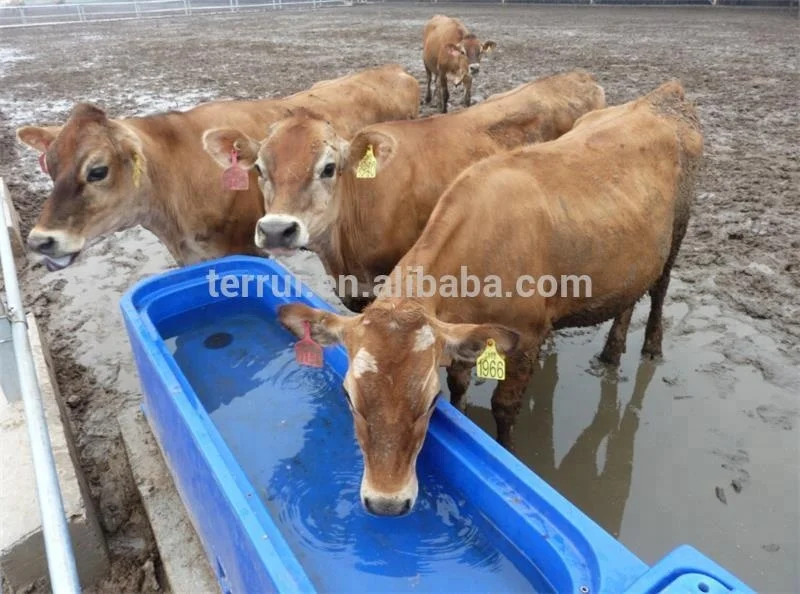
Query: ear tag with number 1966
[490, 363]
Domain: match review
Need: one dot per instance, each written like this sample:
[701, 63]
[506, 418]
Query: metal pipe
[57, 541]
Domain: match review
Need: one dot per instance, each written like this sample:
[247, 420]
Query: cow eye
[329, 170]
[97, 173]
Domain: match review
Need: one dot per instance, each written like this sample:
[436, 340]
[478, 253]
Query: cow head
[98, 171]
[464, 58]
[395, 350]
[298, 164]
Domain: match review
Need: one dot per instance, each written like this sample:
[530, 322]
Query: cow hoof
[652, 355]
[610, 359]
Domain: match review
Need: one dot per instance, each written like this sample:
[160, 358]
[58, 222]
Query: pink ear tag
[306, 351]
[43, 162]
[234, 177]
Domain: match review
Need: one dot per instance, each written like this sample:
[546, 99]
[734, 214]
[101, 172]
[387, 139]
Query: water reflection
[600, 488]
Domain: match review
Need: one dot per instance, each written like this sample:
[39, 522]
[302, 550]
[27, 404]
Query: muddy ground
[710, 457]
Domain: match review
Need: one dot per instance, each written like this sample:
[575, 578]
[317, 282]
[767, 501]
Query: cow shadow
[600, 490]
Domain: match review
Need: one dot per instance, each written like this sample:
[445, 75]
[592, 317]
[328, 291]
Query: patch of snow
[21, 112]
[149, 103]
[9, 55]
[27, 111]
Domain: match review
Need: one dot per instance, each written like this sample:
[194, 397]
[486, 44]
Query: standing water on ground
[699, 447]
[290, 429]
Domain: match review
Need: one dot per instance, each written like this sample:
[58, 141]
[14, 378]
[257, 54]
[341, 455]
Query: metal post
[58, 543]
[9, 376]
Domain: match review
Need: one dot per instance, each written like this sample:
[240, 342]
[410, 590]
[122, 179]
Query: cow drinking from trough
[451, 54]
[113, 174]
[610, 200]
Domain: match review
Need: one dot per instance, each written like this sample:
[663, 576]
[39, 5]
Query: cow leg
[444, 94]
[617, 335]
[428, 80]
[458, 378]
[507, 397]
[467, 90]
[654, 332]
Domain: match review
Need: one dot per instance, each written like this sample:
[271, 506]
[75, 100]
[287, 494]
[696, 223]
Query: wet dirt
[701, 447]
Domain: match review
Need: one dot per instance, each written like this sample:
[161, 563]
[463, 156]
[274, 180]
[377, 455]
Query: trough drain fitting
[218, 340]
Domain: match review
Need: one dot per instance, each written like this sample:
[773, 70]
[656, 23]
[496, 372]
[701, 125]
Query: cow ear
[466, 342]
[38, 137]
[488, 47]
[221, 142]
[326, 327]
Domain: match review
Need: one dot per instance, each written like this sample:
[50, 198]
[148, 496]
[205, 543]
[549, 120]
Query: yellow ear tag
[490, 363]
[368, 165]
[137, 170]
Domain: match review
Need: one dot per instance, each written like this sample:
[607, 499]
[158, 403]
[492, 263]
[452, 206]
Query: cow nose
[381, 506]
[474, 68]
[44, 244]
[279, 233]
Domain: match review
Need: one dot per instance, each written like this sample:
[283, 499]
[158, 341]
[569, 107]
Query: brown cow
[362, 227]
[610, 200]
[451, 54]
[112, 174]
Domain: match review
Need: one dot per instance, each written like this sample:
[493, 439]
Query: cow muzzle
[282, 232]
[57, 249]
[398, 503]
[474, 69]
[387, 506]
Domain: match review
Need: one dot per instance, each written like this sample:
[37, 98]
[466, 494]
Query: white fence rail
[51, 14]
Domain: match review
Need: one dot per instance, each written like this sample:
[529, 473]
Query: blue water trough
[264, 456]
